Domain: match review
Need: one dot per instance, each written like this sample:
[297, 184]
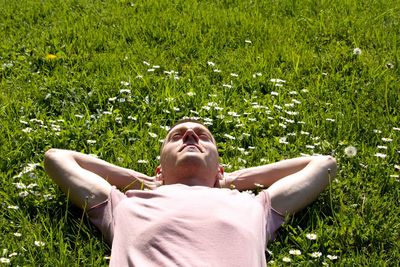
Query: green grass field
[272, 79]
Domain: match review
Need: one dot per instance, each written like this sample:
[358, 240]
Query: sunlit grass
[272, 80]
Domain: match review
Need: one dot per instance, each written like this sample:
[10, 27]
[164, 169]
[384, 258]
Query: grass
[64, 64]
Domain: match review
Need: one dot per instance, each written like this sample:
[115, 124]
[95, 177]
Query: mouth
[191, 146]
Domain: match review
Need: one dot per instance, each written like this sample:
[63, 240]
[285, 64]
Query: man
[193, 218]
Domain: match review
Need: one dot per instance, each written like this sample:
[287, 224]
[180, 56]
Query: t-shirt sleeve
[273, 219]
[102, 215]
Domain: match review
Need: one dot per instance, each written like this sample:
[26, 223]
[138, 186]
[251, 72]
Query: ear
[219, 177]
[159, 176]
[220, 174]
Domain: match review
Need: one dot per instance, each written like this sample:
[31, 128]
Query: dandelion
[350, 151]
[380, 155]
[311, 236]
[295, 252]
[286, 259]
[39, 243]
[50, 57]
[316, 254]
[332, 257]
[357, 51]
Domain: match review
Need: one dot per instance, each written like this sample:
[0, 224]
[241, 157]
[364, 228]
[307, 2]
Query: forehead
[189, 125]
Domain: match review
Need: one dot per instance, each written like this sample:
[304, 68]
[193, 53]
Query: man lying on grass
[189, 216]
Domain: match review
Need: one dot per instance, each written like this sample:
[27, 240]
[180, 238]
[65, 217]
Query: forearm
[120, 177]
[294, 192]
[266, 175]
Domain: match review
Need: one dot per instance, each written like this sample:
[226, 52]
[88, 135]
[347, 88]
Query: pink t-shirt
[179, 225]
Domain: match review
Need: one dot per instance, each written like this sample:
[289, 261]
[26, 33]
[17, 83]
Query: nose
[190, 134]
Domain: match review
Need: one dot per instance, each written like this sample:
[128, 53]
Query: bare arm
[265, 175]
[294, 192]
[88, 180]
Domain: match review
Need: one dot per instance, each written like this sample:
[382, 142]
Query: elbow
[329, 163]
[51, 156]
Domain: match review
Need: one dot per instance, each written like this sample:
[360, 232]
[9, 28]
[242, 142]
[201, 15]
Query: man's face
[189, 152]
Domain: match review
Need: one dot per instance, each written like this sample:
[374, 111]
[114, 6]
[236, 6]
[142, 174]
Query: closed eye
[204, 136]
[176, 137]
